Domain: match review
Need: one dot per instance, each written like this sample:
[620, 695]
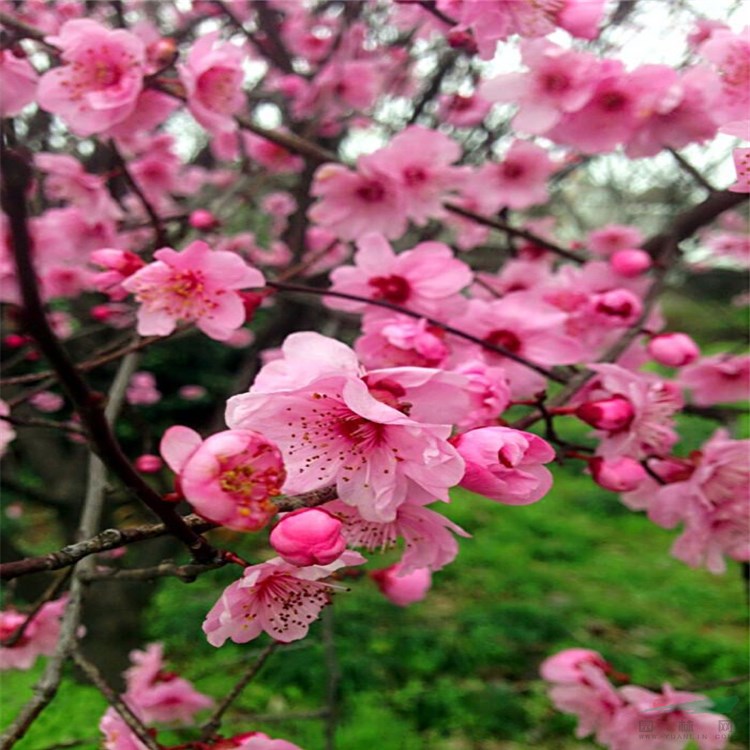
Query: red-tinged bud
[148, 463]
[163, 52]
[101, 313]
[309, 536]
[630, 263]
[609, 414]
[462, 39]
[252, 301]
[617, 475]
[16, 340]
[673, 349]
[203, 220]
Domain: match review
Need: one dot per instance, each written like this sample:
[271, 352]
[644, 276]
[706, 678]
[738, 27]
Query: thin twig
[38, 422]
[187, 573]
[210, 728]
[97, 679]
[691, 170]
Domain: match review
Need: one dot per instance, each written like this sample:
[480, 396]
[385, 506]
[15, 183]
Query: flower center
[392, 288]
[507, 339]
[371, 192]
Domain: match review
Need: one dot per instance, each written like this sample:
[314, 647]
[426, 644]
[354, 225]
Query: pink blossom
[196, 285]
[276, 597]
[212, 77]
[402, 588]
[334, 426]
[634, 410]
[203, 220]
[630, 263]
[505, 464]
[117, 734]
[158, 695]
[425, 279]
[558, 81]
[229, 478]
[565, 667]
[613, 237]
[148, 463]
[673, 349]
[463, 110]
[718, 379]
[38, 639]
[489, 393]
[400, 341]
[741, 157]
[47, 401]
[275, 158]
[18, 81]
[353, 204]
[616, 308]
[621, 474]
[259, 741]
[729, 52]
[520, 180]
[192, 392]
[309, 536]
[428, 541]
[102, 76]
[142, 390]
[419, 161]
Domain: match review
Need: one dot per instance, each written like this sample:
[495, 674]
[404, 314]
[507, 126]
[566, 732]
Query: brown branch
[134, 723]
[38, 422]
[186, 573]
[210, 728]
[444, 67]
[515, 232]
[431, 321]
[431, 7]
[692, 171]
[160, 238]
[276, 50]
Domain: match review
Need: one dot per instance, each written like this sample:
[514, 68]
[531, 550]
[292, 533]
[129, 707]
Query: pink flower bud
[203, 220]
[462, 39]
[309, 536]
[617, 474]
[47, 401]
[630, 263]
[162, 52]
[565, 667]
[403, 590]
[505, 464]
[673, 349]
[617, 308]
[610, 414]
[148, 463]
[15, 340]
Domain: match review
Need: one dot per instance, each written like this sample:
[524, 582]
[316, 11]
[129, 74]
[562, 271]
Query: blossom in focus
[505, 464]
[229, 478]
[402, 588]
[196, 285]
[276, 597]
[101, 78]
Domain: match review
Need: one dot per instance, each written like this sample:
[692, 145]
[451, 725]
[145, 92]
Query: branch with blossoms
[294, 180]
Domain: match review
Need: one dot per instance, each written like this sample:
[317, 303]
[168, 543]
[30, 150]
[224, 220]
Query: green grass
[459, 670]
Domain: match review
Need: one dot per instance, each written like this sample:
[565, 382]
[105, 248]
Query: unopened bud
[610, 414]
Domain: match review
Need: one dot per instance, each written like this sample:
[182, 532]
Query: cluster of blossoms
[629, 717]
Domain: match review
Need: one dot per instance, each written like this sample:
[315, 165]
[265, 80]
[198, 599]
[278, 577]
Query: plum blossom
[505, 464]
[212, 77]
[142, 390]
[370, 434]
[673, 349]
[39, 637]
[403, 588]
[229, 478]
[463, 110]
[196, 285]
[276, 597]
[425, 279]
[613, 237]
[308, 536]
[621, 474]
[718, 379]
[158, 695]
[101, 78]
[18, 82]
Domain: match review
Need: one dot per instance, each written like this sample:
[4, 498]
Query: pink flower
[630, 263]
[148, 463]
[117, 734]
[402, 588]
[142, 390]
[213, 78]
[309, 536]
[427, 536]
[47, 401]
[356, 203]
[102, 76]
[729, 51]
[613, 237]
[558, 81]
[38, 639]
[617, 474]
[419, 161]
[505, 464]
[196, 285]
[616, 308]
[673, 349]
[635, 411]
[520, 180]
[400, 341]
[719, 379]
[258, 741]
[741, 157]
[463, 111]
[276, 597]
[18, 81]
[203, 220]
[158, 695]
[228, 478]
[489, 393]
[334, 426]
[425, 279]
[565, 667]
